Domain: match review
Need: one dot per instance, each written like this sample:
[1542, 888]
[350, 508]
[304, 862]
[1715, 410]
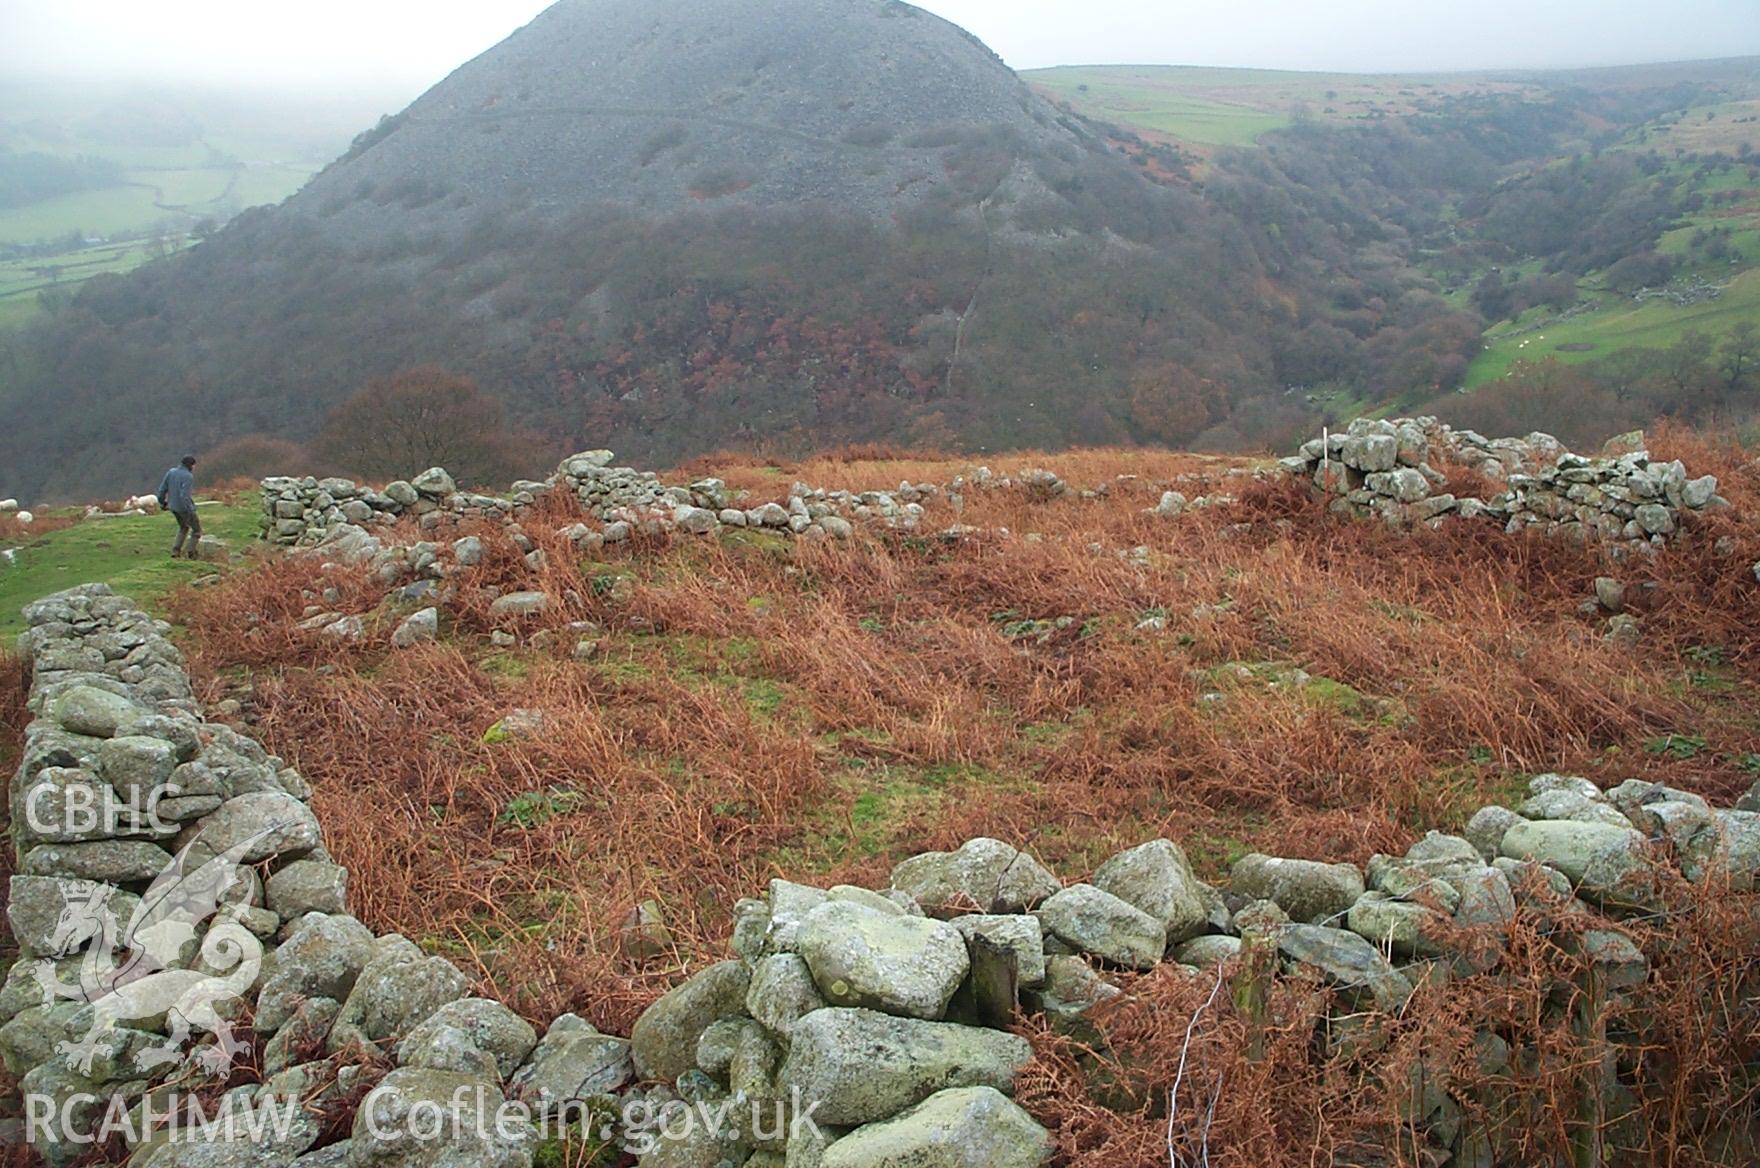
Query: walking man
[177, 494]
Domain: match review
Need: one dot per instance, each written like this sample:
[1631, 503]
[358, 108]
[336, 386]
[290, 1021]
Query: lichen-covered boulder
[1309, 891]
[664, 1039]
[1020, 934]
[1606, 862]
[1157, 878]
[1345, 961]
[1099, 923]
[321, 958]
[271, 824]
[860, 1065]
[883, 961]
[964, 1127]
[473, 1036]
[419, 1118]
[782, 992]
[983, 875]
[399, 988]
[572, 1062]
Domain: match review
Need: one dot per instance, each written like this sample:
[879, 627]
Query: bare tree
[401, 425]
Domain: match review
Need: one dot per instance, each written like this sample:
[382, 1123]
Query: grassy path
[130, 554]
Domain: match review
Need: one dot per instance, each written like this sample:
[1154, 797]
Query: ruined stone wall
[1397, 470]
[204, 874]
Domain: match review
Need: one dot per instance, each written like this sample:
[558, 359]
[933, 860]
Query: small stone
[520, 605]
[418, 628]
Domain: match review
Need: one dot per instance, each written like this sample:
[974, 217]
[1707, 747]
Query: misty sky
[402, 46]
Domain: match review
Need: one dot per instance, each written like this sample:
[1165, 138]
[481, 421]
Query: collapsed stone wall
[883, 1011]
[307, 512]
[1392, 469]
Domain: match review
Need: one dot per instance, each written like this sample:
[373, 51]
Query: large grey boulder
[240, 1136]
[105, 861]
[473, 1036]
[883, 961]
[434, 483]
[664, 1039]
[308, 886]
[1723, 846]
[572, 1062]
[94, 712]
[1157, 878]
[1307, 890]
[1346, 962]
[273, 824]
[138, 767]
[1487, 828]
[860, 1065]
[1405, 927]
[1604, 861]
[1099, 923]
[983, 875]
[413, 1119]
[964, 1127]
[36, 906]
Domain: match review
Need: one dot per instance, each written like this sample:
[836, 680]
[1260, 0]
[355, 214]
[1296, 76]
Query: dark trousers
[189, 526]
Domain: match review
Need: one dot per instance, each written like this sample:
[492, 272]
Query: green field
[23, 281]
[1621, 325]
[1148, 99]
[132, 555]
[1207, 107]
[96, 213]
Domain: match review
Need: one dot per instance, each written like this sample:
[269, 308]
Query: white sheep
[25, 518]
[8, 506]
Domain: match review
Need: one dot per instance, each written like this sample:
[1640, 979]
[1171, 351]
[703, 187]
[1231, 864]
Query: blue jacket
[177, 492]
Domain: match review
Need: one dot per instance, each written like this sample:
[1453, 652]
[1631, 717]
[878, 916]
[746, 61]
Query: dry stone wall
[1395, 470]
[173, 880]
[308, 512]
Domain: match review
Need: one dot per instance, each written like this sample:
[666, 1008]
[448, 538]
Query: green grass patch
[132, 555]
[1157, 100]
[105, 212]
[1621, 324]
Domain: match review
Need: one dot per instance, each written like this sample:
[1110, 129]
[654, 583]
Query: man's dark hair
[189, 461]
